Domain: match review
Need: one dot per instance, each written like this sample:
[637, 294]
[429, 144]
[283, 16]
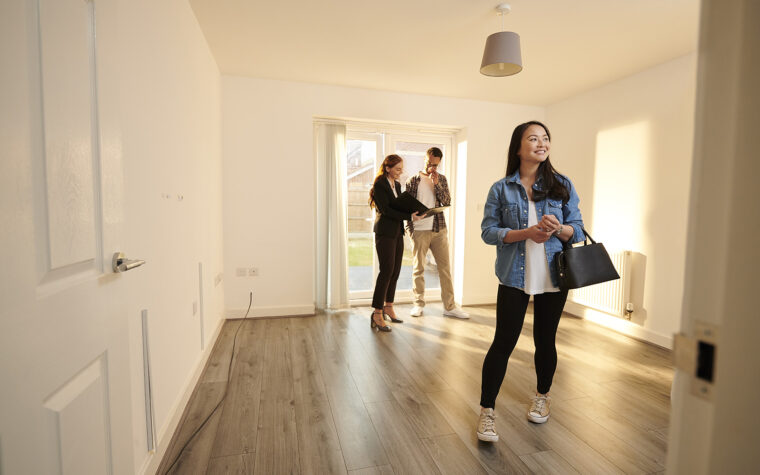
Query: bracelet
[559, 231]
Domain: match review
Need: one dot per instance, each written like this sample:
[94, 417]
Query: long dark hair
[389, 162]
[553, 182]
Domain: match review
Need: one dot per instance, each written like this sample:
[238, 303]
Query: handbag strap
[586, 236]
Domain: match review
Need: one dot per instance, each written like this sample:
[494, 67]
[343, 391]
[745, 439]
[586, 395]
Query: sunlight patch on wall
[621, 188]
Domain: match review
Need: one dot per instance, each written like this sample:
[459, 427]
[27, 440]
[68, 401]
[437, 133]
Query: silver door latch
[120, 262]
[696, 356]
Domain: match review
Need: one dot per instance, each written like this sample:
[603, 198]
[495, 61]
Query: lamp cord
[224, 395]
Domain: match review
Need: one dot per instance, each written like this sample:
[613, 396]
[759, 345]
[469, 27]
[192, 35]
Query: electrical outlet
[253, 271]
[240, 272]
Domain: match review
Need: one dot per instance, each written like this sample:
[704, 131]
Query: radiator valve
[628, 310]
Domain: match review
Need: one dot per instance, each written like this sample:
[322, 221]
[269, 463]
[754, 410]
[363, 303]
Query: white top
[537, 279]
[426, 196]
[393, 187]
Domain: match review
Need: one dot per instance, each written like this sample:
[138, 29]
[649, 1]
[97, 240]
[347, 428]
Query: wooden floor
[326, 394]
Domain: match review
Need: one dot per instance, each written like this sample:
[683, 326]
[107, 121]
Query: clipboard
[409, 204]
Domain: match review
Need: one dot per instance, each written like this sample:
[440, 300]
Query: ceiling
[435, 47]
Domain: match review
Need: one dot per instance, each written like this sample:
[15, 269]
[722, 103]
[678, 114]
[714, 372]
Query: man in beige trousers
[432, 190]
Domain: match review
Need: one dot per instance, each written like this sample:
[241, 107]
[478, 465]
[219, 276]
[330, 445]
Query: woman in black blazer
[389, 239]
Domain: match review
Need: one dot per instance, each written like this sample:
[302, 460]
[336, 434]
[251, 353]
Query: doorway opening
[365, 151]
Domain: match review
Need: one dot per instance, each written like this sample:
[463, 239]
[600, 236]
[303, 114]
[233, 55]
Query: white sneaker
[416, 311]
[539, 409]
[486, 429]
[456, 312]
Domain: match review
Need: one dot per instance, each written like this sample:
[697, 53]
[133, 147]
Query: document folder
[409, 204]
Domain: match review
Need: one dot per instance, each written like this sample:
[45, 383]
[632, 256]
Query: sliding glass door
[413, 148]
[365, 153]
[362, 154]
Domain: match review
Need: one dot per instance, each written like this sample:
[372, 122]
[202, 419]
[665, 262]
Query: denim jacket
[506, 209]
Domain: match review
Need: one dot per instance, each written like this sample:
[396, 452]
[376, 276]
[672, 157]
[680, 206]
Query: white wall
[163, 88]
[269, 180]
[172, 149]
[627, 146]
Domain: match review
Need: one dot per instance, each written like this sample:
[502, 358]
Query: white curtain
[332, 242]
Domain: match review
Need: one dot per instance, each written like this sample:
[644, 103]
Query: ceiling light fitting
[501, 56]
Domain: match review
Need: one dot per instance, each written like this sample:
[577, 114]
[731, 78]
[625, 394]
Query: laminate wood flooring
[326, 394]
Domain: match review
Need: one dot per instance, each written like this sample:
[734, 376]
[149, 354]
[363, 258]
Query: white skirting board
[281, 311]
[366, 302]
[481, 299]
[620, 325]
[153, 460]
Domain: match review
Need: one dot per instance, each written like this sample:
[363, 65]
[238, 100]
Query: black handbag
[584, 265]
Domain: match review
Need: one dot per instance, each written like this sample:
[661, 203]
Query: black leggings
[390, 250]
[511, 304]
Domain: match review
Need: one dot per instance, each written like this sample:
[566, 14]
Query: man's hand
[433, 176]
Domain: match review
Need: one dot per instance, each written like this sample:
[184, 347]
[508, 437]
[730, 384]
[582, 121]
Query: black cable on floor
[224, 395]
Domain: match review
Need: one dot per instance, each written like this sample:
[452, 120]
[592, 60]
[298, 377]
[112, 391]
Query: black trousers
[390, 250]
[511, 304]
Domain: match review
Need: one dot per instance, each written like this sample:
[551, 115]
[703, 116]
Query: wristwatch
[558, 231]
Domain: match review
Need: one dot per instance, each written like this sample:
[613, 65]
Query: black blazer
[388, 221]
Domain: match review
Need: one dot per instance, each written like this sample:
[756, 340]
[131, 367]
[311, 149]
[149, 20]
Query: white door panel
[79, 421]
[65, 402]
[69, 103]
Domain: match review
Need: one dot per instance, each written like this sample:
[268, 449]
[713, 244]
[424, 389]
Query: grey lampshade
[502, 55]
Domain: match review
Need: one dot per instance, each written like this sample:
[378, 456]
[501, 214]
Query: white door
[64, 365]
[715, 427]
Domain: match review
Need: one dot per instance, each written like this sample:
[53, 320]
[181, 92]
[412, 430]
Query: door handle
[120, 263]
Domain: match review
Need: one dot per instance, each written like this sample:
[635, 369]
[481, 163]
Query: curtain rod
[373, 126]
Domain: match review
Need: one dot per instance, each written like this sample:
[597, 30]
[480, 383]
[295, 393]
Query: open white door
[64, 362]
[715, 426]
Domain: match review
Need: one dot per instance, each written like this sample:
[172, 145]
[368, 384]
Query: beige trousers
[438, 243]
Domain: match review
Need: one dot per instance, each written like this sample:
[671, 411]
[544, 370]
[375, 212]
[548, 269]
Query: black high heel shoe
[388, 317]
[373, 325]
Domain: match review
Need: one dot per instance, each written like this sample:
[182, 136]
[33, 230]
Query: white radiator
[611, 297]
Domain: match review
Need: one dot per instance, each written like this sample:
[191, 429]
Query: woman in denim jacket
[528, 215]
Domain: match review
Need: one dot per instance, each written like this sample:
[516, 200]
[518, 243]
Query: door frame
[388, 135]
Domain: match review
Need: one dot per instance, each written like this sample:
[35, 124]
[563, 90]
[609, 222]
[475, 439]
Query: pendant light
[501, 56]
